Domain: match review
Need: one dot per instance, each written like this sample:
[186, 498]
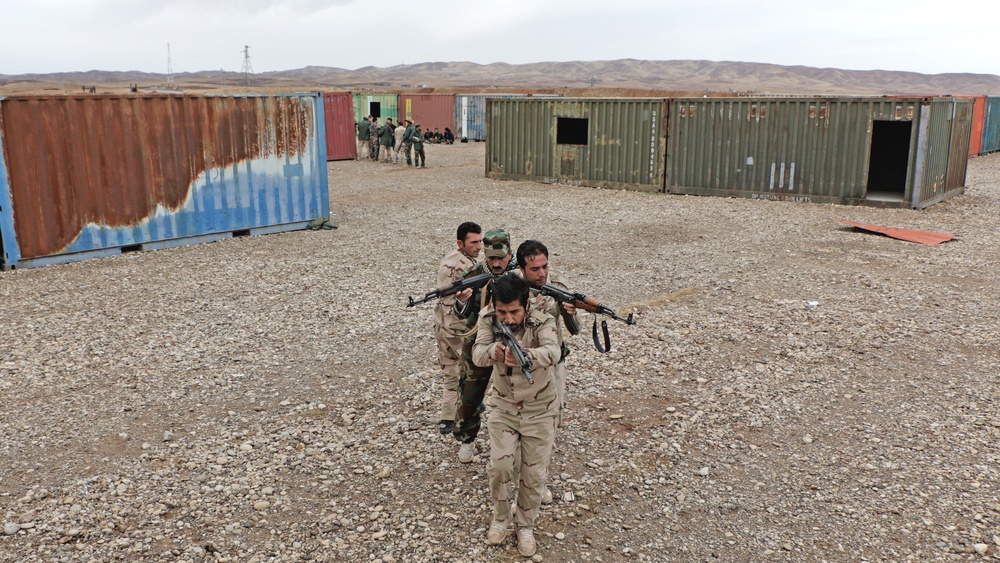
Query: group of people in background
[436, 136]
[384, 142]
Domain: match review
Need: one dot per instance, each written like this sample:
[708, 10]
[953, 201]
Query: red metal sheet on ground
[923, 237]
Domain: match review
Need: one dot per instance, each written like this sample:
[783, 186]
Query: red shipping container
[338, 115]
[431, 111]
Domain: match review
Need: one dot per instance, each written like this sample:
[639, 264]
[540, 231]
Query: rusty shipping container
[860, 151]
[381, 106]
[614, 142]
[991, 126]
[93, 176]
[434, 112]
[978, 122]
[338, 118]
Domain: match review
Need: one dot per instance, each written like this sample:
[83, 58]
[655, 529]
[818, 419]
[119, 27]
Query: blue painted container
[991, 126]
[87, 176]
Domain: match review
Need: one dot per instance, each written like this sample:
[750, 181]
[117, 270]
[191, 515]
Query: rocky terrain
[793, 390]
[625, 77]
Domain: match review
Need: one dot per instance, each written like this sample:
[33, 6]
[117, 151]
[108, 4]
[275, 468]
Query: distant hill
[620, 77]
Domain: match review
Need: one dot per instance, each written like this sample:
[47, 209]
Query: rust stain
[922, 237]
[113, 160]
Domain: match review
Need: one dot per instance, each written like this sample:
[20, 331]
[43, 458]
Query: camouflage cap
[496, 243]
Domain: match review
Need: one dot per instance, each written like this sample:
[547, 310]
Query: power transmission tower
[170, 70]
[247, 71]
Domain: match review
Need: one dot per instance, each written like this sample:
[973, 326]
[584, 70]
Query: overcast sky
[42, 36]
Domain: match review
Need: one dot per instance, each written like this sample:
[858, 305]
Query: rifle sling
[607, 337]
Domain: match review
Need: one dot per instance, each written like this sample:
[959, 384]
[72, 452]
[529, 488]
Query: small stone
[980, 548]
[560, 536]
[10, 528]
[537, 558]
[168, 435]
[703, 472]
[807, 439]
[261, 505]
[616, 416]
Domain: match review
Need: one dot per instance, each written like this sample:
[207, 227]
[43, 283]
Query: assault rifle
[581, 301]
[503, 330]
[474, 282]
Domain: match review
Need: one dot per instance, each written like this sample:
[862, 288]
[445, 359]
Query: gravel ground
[793, 390]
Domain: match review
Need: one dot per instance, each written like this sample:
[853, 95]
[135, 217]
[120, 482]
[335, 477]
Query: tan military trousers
[450, 360]
[532, 438]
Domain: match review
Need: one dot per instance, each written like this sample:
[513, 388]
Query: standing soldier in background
[385, 139]
[398, 145]
[363, 135]
[417, 140]
[449, 328]
[407, 133]
[475, 379]
[373, 140]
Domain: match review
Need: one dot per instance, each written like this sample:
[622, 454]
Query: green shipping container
[614, 143]
[895, 152]
[378, 105]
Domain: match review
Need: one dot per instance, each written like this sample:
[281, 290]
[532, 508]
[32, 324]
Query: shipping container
[470, 114]
[894, 152]
[434, 112]
[978, 121]
[991, 126]
[94, 176]
[858, 151]
[381, 106]
[616, 142]
[341, 133]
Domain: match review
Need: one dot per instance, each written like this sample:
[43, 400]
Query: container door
[889, 160]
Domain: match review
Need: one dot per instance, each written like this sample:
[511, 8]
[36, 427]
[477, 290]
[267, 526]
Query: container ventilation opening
[572, 130]
[375, 109]
[889, 160]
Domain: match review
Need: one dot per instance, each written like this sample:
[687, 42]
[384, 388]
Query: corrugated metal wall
[338, 113]
[88, 174]
[470, 116]
[785, 149]
[431, 111]
[817, 149]
[365, 104]
[620, 141]
[945, 152]
[991, 126]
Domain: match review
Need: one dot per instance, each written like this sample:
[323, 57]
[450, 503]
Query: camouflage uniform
[407, 133]
[385, 140]
[373, 140]
[419, 158]
[364, 132]
[522, 422]
[449, 330]
[398, 145]
[475, 379]
[553, 308]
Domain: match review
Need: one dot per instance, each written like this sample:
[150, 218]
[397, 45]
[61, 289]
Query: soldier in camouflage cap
[475, 379]
[449, 328]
